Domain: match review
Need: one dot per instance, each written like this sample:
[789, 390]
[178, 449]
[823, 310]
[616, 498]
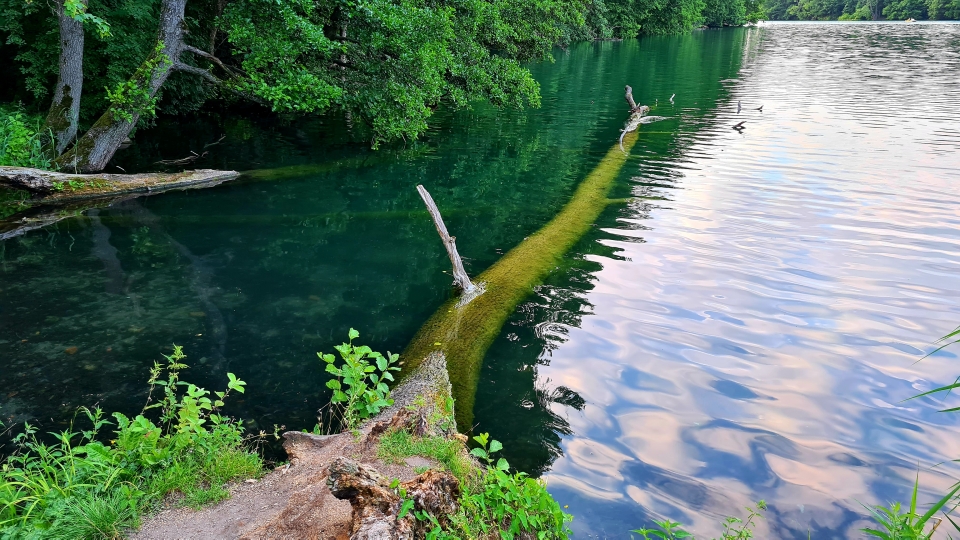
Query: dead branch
[460, 277]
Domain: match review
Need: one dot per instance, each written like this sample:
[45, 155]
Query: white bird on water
[738, 107]
[671, 98]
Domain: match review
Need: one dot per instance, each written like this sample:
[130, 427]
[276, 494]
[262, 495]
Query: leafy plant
[360, 384]
[667, 530]
[81, 486]
[510, 504]
[21, 141]
[895, 524]
[734, 528]
[132, 96]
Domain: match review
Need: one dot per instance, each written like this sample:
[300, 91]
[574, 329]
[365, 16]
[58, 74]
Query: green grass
[88, 485]
[395, 446]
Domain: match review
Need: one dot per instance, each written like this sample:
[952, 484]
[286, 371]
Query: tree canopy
[386, 64]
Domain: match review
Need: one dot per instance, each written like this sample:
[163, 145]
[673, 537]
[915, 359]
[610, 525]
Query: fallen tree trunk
[55, 187]
[464, 331]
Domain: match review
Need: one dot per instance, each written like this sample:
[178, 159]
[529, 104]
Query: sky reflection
[754, 332]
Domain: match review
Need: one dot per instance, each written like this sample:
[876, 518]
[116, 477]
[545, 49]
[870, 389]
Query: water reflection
[749, 328]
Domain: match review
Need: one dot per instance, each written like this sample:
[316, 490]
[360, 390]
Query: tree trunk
[65, 109]
[93, 151]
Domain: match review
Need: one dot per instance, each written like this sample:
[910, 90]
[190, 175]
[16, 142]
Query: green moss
[395, 446]
[464, 333]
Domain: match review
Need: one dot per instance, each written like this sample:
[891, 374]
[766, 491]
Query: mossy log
[53, 187]
[464, 331]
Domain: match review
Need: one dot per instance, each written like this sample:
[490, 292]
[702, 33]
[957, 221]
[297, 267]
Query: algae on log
[464, 331]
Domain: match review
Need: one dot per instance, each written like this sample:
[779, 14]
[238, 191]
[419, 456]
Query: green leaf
[495, 446]
[382, 363]
[353, 334]
[479, 452]
[334, 384]
[502, 464]
[405, 507]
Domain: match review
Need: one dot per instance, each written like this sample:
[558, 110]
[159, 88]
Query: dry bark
[628, 95]
[460, 277]
[376, 507]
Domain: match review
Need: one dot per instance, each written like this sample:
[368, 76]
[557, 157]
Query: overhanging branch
[180, 66]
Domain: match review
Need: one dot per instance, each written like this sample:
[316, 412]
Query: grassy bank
[91, 485]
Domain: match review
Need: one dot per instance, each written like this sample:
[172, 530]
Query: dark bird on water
[739, 126]
[738, 107]
[760, 108]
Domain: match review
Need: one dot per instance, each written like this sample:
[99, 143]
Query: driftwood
[377, 507]
[460, 277]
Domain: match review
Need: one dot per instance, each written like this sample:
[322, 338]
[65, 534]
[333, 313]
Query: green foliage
[79, 487]
[21, 142]
[734, 528]
[504, 504]
[360, 384]
[77, 10]
[861, 10]
[392, 62]
[666, 530]
[132, 96]
[895, 524]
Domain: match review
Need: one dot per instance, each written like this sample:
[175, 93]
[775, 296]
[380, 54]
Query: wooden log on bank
[55, 187]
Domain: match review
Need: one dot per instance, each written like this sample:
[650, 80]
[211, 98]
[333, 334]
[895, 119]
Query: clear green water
[744, 327]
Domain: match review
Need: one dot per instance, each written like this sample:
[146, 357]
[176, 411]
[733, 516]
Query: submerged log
[55, 187]
[460, 277]
[464, 331]
[377, 507]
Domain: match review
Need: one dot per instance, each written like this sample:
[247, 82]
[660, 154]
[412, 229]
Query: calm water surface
[745, 326]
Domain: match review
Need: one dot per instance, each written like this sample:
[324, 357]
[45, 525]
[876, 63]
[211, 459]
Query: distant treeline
[861, 10]
[632, 18]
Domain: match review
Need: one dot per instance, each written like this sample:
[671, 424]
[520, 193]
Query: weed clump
[359, 385]
[88, 486]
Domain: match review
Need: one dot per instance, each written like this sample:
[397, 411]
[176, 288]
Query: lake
[744, 323]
